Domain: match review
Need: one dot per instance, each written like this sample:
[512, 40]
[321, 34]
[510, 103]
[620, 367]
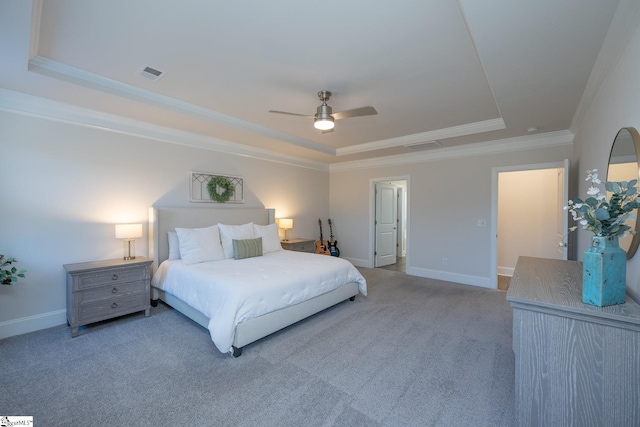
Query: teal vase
[604, 272]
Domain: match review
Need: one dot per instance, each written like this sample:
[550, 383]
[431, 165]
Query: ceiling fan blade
[356, 112]
[291, 114]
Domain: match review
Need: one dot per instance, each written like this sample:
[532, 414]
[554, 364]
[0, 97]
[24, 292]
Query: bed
[275, 290]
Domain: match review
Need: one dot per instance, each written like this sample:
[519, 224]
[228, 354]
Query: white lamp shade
[286, 223]
[128, 231]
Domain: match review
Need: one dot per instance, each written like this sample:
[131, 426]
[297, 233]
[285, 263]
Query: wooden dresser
[102, 290]
[576, 364]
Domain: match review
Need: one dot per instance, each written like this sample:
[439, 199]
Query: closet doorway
[389, 227]
[528, 216]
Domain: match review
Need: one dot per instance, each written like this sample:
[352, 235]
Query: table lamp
[129, 232]
[285, 224]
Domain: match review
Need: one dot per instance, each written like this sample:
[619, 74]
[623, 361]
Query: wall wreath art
[214, 188]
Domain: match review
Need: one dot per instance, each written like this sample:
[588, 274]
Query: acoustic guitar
[322, 246]
[333, 244]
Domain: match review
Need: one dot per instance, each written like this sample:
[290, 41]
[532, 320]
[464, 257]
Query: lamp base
[129, 249]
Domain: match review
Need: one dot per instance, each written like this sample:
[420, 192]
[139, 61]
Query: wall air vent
[426, 145]
[150, 73]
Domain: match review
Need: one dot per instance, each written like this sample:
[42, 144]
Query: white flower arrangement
[602, 217]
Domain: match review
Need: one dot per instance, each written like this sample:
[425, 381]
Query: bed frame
[162, 220]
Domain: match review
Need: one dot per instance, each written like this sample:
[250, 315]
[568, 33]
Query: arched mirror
[623, 166]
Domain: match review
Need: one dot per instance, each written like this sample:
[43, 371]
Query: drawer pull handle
[114, 277]
[114, 290]
[114, 305]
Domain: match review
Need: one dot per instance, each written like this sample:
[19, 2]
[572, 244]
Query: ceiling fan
[324, 117]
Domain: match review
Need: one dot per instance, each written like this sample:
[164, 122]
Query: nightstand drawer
[112, 307]
[299, 245]
[305, 247]
[113, 290]
[111, 277]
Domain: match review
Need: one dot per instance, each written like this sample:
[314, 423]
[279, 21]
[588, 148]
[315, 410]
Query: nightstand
[299, 245]
[102, 290]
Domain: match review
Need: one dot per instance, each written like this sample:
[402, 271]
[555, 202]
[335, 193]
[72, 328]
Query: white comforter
[231, 291]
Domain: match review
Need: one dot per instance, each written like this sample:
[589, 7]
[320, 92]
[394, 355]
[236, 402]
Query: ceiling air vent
[426, 145]
[150, 73]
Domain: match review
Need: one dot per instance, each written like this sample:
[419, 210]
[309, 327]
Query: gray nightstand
[103, 290]
[299, 245]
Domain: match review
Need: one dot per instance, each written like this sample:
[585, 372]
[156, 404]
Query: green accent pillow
[247, 248]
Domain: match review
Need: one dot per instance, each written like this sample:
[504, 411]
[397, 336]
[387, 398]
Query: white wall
[616, 105]
[445, 200]
[65, 186]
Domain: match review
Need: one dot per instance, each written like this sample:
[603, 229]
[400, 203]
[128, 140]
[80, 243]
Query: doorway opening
[528, 216]
[389, 223]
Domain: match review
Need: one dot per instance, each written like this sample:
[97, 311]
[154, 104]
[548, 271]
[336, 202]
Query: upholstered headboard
[162, 220]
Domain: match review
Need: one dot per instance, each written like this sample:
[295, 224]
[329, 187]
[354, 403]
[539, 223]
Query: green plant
[8, 273]
[225, 184]
[602, 217]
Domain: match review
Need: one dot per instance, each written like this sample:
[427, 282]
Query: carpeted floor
[415, 352]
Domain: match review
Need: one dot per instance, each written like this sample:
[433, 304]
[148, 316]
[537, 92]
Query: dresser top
[297, 240]
[551, 285]
[108, 263]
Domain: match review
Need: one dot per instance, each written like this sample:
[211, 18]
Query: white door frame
[372, 215]
[495, 172]
[402, 222]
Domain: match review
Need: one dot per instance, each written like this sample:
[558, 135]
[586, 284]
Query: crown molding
[434, 135]
[20, 103]
[528, 142]
[17, 102]
[49, 67]
[56, 69]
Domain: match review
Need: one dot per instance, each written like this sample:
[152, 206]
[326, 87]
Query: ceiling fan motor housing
[324, 112]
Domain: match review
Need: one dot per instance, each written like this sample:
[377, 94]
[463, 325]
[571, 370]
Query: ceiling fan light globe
[323, 124]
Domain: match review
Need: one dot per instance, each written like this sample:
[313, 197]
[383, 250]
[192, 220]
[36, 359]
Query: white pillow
[174, 245]
[229, 233]
[200, 244]
[270, 237]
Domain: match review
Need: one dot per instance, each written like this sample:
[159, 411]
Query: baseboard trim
[357, 262]
[34, 323]
[464, 279]
[505, 271]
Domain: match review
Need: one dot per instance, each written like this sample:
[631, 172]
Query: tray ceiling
[455, 72]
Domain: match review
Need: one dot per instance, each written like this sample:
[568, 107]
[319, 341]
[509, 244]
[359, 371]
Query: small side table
[102, 290]
[299, 245]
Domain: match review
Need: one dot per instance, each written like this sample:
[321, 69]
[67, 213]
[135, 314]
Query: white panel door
[386, 224]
